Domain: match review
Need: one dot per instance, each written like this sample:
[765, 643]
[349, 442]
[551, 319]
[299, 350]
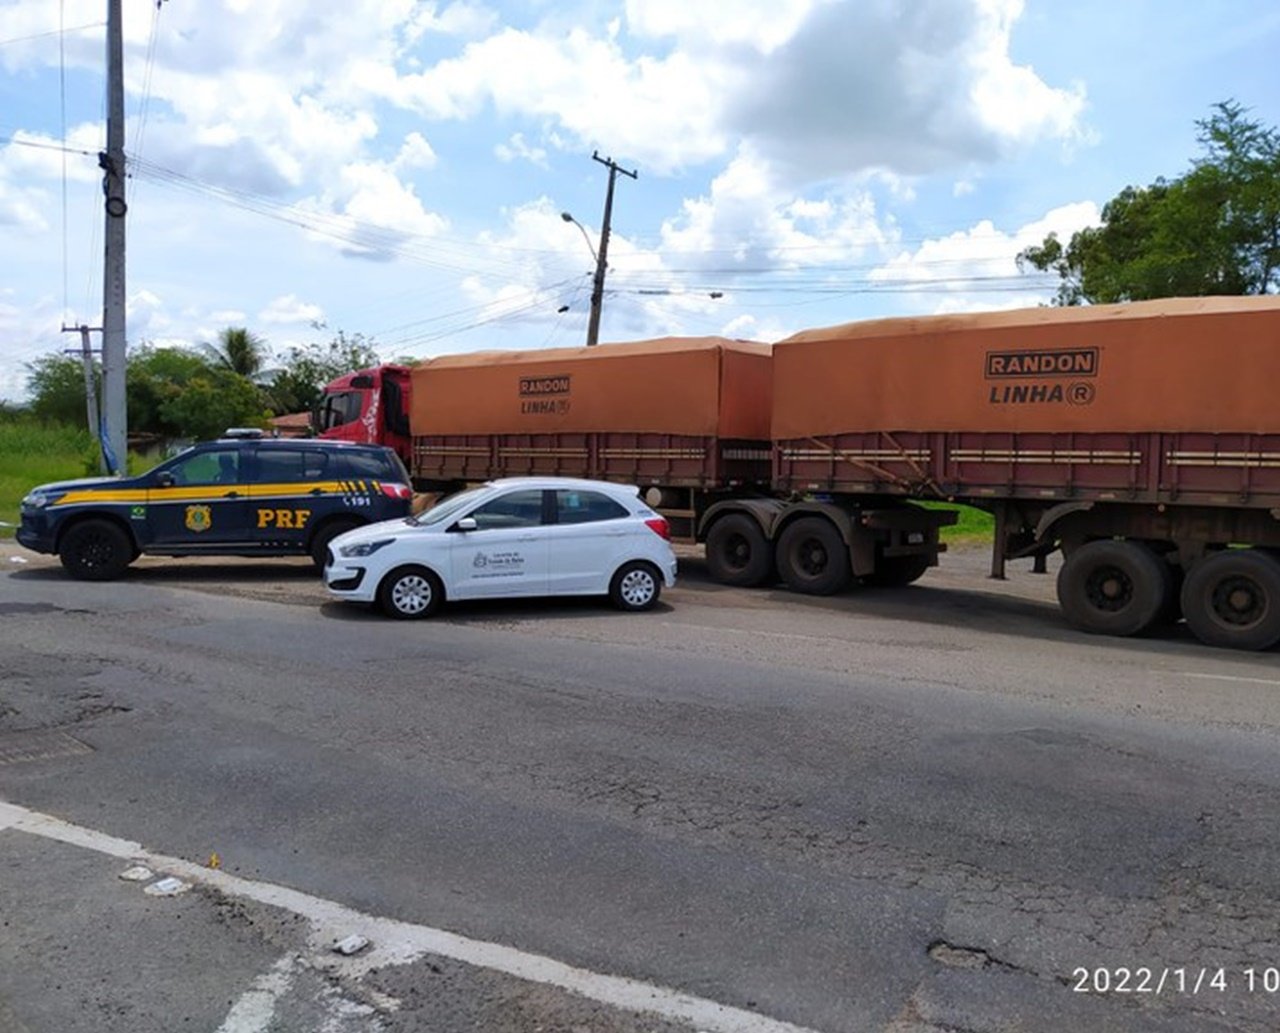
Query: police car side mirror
[164, 479]
[465, 524]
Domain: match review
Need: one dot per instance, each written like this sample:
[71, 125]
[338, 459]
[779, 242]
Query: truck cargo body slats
[1180, 468]
[872, 455]
[1105, 458]
[559, 453]
[1268, 460]
[653, 453]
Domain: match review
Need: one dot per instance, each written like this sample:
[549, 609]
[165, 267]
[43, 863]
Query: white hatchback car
[522, 536]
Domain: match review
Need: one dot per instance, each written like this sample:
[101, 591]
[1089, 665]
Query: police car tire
[326, 534]
[95, 550]
[402, 585]
[636, 586]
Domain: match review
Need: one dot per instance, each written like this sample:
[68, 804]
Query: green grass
[974, 525]
[32, 453]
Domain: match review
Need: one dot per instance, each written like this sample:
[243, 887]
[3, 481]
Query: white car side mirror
[466, 524]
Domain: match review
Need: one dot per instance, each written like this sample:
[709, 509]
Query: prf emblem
[199, 518]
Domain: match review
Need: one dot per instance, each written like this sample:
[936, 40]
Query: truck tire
[812, 557]
[1232, 599]
[410, 593]
[1114, 587]
[896, 571]
[96, 550]
[328, 532]
[635, 587]
[738, 553]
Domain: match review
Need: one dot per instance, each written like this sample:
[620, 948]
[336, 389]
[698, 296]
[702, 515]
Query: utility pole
[597, 286]
[115, 413]
[90, 389]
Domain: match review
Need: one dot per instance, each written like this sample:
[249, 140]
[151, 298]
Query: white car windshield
[445, 509]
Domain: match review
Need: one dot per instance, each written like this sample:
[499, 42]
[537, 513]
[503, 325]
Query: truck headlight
[363, 548]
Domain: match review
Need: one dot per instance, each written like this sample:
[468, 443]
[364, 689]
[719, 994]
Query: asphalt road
[930, 809]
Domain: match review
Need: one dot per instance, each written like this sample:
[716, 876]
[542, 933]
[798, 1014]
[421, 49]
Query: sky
[398, 169]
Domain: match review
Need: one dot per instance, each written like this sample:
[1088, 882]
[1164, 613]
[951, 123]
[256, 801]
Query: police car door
[199, 501]
[292, 490]
[506, 554]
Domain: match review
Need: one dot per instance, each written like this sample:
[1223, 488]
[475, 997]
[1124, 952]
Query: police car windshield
[446, 508]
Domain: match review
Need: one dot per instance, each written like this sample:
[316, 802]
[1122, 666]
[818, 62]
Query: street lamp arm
[585, 236]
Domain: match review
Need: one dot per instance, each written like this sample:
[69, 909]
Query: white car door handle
[527, 538]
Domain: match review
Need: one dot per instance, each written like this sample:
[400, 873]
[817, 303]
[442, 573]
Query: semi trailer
[1142, 441]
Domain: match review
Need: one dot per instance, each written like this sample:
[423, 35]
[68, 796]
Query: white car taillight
[660, 527]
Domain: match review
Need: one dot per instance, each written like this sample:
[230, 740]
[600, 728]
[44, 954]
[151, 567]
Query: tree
[178, 393]
[210, 403]
[298, 385]
[170, 391]
[56, 383]
[238, 351]
[1213, 230]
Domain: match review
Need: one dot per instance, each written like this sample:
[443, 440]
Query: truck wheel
[738, 552]
[409, 593]
[326, 534]
[95, 550]
[897, 571]
[635, 587]
[812, 557]
[1114, 587]
[1232, 599]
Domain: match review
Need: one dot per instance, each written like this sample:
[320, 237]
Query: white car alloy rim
[637, 587]
[411, 594]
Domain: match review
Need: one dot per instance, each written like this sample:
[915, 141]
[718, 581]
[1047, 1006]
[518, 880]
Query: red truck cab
[370, 406]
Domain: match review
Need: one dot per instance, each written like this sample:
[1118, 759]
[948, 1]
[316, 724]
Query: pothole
[39, 744]
[959, 957]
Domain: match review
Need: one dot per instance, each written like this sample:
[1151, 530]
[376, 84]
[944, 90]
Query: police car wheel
[326, 534]
[635, 587]
[95, 550]
[409, 593]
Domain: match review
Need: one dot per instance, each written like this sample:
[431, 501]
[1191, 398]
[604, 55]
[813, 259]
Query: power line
[52, 32]
[17, 142]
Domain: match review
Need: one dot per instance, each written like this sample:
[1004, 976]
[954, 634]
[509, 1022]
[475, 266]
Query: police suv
[243, 495]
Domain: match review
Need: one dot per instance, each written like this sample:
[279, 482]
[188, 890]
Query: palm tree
[240, 352]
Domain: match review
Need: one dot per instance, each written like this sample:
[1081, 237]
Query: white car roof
[580, 483]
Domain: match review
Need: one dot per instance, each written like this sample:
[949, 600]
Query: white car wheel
[410, 593]
[636, 586]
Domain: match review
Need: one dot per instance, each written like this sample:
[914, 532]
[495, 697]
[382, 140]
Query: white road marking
[1227, 677]
[255, 1009]
[399, 943]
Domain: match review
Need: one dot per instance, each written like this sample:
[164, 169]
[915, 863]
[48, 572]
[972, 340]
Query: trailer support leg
[998, 545]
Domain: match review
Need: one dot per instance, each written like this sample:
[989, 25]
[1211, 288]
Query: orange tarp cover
[707, 386]
[1182, 364]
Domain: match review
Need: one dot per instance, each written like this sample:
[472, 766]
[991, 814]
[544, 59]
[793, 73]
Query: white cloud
[290, 309]
[976, 269]
[821, 89]
[913, 88]
[516, 148]
[657, 111]
[750, 221]
[456, 19]
[415, 153]
[762, 25]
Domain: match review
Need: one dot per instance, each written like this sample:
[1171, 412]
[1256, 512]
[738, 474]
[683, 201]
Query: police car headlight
[37, 500]
[363, 548]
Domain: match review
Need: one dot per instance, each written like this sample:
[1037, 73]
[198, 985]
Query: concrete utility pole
[597, 286]
[116, 417]
[90, 387]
